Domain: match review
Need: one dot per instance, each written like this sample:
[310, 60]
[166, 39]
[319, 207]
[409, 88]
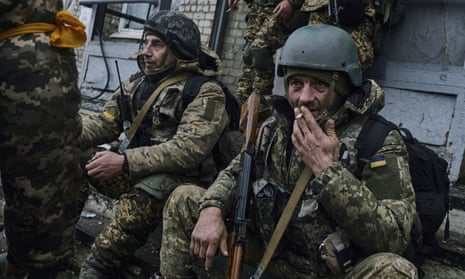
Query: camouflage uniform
[375, 212]
[173, 145]
[265, 34]
[362, 33]
[39, 122]
[264, 31]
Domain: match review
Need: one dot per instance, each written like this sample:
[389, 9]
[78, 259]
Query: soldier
[266, 32]
[172, 145]
[270, 23]
[39, 122]
[365, 217]
[358, 18]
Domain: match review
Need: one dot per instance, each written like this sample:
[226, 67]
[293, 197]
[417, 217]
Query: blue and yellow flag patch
[377, 161]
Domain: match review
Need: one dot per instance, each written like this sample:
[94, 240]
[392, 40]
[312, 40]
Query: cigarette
[299, 116]
[228, 10]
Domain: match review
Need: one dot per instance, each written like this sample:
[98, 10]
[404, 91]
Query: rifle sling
[145, 108]
[283, 221]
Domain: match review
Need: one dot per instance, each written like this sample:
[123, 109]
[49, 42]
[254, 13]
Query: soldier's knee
[385, 265]
[183, 192]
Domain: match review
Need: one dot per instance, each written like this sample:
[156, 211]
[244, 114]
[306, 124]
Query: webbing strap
[140, 116]
[68, 32]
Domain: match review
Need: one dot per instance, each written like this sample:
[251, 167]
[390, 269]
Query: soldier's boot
[91, 268]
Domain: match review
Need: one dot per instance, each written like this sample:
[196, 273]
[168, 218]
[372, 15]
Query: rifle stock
[249, 117]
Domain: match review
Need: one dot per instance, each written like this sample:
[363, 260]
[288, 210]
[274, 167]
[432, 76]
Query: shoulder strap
[192, 88]
[140, 116]
[371, 138]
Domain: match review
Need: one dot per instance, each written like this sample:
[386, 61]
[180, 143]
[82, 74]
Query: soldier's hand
[232, 4]
[209, 236]
[105, 165]
[317, 149]
[283, 11]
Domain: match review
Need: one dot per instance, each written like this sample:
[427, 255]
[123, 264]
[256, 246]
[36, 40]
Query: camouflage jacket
[375, 211]
[313, 5]
[273, 3]
[180, 137]
[14, 13]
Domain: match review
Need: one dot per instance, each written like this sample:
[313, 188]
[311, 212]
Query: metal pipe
[219, 26]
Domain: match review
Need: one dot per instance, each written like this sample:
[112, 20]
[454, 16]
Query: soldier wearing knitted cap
[346, 223]
[172, 144]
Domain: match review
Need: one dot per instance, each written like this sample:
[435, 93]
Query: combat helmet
[178, 31]
[324, 48]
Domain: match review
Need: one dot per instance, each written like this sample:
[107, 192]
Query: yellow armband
[67, 32]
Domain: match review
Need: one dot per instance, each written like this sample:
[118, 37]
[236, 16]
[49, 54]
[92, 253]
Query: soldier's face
[156, 53]
[312, 93]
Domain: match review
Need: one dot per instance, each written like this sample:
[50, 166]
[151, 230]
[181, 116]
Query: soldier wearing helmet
[344, 225]
[172, 144]
[270, 22]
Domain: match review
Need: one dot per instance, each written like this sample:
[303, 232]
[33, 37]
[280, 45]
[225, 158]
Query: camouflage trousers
[39, 163]
[137, 214]
[265, 34]
[179, 217]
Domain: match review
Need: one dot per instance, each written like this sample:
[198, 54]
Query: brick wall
[203, 13]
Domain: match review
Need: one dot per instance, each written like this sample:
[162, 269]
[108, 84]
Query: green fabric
[158, 185]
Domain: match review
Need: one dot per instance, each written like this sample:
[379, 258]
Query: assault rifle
[238, 237]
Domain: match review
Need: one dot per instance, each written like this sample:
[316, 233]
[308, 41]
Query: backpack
[429, 178]
[230, 141]
[387, 13]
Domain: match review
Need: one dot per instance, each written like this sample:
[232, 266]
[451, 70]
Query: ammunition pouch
[336, 251]
[269, 200]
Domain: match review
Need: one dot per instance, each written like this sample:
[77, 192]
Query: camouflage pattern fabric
[179, 217]
[39, 122]
[173, 145]
[137, 215]
[264, 31]
[177, 140]
[362, 34]
[375, 212]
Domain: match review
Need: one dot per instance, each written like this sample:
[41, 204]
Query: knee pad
[262, 59]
